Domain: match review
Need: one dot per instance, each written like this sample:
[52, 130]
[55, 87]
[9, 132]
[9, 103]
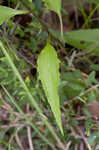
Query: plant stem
[44, 25]
[61, 25]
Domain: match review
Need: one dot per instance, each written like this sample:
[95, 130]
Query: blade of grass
[11, 139]
[90, 15]
[7, 144]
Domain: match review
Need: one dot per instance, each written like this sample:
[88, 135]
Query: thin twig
[29, 133]
[15, 26]
[25, 58]
[81, 146]
[29, 138]
[76, 17]
[68, 145]
[80, 118]
[83, 137]
[15, 125]
[19, 142]
[76, 147]
[61, 145]
[87, 91]
[74, 133]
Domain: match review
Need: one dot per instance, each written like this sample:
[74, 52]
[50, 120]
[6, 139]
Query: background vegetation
[49, 75]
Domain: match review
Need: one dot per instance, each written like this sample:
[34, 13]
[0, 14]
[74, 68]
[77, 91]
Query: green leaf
[48, 69]
[91, 97]
[56, 7]
[30, 1]
[95, 67]
[72, 87]
[91, 78]
[84, 39]
[6, 13]
[92, 138]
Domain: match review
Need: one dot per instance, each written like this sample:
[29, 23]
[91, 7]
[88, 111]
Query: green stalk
[61, 26]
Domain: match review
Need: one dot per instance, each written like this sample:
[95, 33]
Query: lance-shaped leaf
[56, 7]
[86, 39]
[6, 13]
[48, 69]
